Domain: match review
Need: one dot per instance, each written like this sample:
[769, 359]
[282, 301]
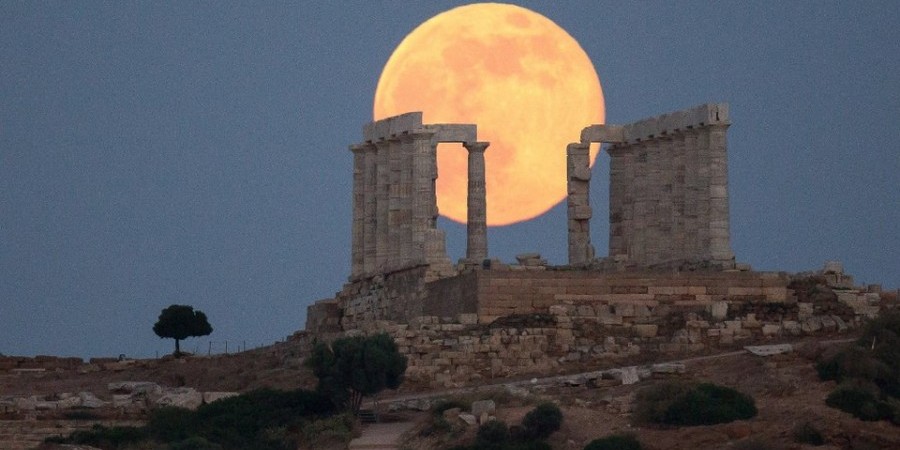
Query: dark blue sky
[177, 152]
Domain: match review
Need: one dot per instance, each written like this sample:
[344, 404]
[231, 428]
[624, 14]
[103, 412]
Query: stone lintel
[674, 122]
[603, 133]
[392, 126]
[448, 132]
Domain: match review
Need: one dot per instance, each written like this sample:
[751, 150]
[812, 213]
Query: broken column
[476, 204]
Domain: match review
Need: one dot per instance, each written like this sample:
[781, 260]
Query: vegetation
[353, 367]
[491, 434]
[181, 322]
[615, 442]
[689, 404]
[537, 425]
[542, 421]
[868, 372]
[264, 419]
[807, 433]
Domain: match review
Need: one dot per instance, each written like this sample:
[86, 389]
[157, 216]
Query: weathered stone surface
[769, 350]
[209, 397]
[89, 400]
[483, 406]
[468, 419]
[181, 397]
[134, 387]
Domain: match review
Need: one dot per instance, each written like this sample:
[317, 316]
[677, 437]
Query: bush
[254, 420]
[492, 433]
[868, 372]
[807, 433]
[542, 421]
[615, 442]
[859, 401]
[103, 437]
[692, 404]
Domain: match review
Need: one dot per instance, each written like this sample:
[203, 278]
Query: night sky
[154, 153]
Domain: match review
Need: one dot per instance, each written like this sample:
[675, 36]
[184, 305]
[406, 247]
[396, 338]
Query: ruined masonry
[668, 190]
[669, 284]
[395, 203]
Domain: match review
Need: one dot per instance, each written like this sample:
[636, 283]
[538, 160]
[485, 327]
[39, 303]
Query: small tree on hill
[354, 367]
[181, 322]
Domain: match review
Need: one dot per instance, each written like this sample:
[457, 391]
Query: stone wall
[579, 334]
[502, 293]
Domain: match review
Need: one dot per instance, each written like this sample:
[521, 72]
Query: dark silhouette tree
[353, 367]
[181, 322]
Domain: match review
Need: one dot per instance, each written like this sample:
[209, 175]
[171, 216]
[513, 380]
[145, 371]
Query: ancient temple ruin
[668, 209]
[395, 203]
[668, 190]
[669, 284]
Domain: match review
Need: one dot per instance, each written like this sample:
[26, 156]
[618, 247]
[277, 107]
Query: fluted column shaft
[476, 203]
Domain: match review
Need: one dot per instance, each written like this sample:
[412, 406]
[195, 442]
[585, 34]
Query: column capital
[479, 146]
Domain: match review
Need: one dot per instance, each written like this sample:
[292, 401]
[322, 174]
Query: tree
[181, 322]
[351, 368]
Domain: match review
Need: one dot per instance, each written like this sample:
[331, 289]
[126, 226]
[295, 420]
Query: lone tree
[353, 367]
[181, 322]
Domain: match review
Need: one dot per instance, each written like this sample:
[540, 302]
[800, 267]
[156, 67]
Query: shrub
[542, 421]
[807, 433]
[859, 401]
[492, 433]
[653, 402]
[688, 405]
[103, 437]
[615, 442]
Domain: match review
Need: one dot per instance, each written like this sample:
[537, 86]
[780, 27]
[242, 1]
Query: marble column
[370, 193]
[424, 198]
[476, 227]
[382, 198]
[719, 233]
[357, 249]
[579, 212]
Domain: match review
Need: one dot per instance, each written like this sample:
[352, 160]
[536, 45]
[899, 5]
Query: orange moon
[521, 78]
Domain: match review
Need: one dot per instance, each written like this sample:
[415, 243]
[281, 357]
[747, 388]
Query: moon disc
[521, 78]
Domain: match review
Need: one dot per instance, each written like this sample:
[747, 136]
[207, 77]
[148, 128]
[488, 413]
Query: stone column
[719, 234]
[476, 203]
[382, 198]
[621, 201]
[357, 249]
[370, 192]
[395, 161]
[424, 197]
[579, 212]
[405, 201]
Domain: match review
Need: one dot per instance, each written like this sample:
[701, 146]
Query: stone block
[187, 398]
[483, 407]
[719, 310]
[770, 330]
[209, 397]
[646, 330]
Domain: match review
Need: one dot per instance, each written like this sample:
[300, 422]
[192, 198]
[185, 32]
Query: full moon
[521, 78]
